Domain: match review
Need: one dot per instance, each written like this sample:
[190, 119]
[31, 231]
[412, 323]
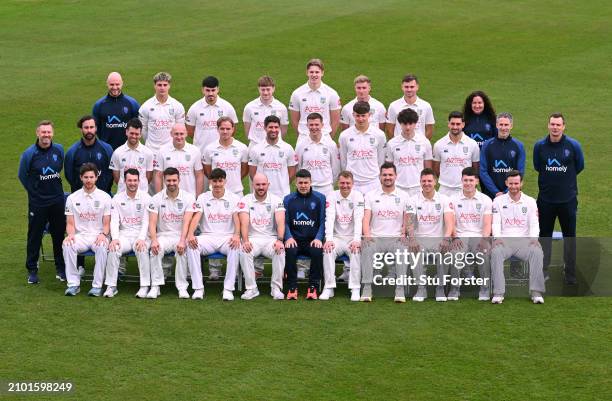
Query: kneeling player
[343, 221]
[129, 227]
[262, 227]
[87, 225]
[217, 216]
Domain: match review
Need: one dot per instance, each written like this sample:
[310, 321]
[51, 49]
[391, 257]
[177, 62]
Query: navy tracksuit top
[305, 216]
[39, 173]
[497, 157]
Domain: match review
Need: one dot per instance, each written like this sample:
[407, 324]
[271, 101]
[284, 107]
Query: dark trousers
[38, 217]
[316, 263]
[566, 212]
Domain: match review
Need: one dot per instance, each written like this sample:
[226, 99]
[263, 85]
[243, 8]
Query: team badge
[235, 152]
[524, 209]
[313, 205]
[141, 160]
[268, 208]
[179, 205]
[171, 111]
[99, 156]
[226, 204]
[397, 149]
[445, 150]
[350, 205]
[273, 113]
[478, 206]
[125, 110]
[138, 207]
[397, 201]
[438, 207]
[96, 204]
[325, 150]
[512, 153]
[417, 147]
[220, 113]
[487, 126]
[281, 154]
[54, 157]
[465, 149]
[323, 100]
[566, 152]
[372, 140]
[187, 157]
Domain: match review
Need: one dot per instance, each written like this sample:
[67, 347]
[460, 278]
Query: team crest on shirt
[226, 204]
[235, 152]
[171, 111]
[179, 205]
[417, 148]
[281, 154]
[97, 204]
[397, 201]
[478, 206]
[273, 113]
[220, 113]
[524, 210]
[187, 157]
[465, 149]
[138, 207]
[262, 154]
[438, 207]
[313, 205]
[99, 156]
[268, 208]
[350, 205]
[323, 100]
[372, 140]
[487, 126]
[566, 152]
[54, 157]
[325, 150]
[141, 160]
[512, 153]
[125, 110]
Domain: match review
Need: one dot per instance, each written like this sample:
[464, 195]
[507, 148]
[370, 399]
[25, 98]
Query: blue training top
[480, 129]
[99, 153]
[558, 165]
[497, 157]
[112, 115]
[305, 216]
[39, 173]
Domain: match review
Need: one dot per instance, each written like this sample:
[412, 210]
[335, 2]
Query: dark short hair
[361, 107]
[469, 171]
[131, 171]
[218, 174]
[386, 165]
[407, 116]
[134, 123]
[89, 167]
[557, 115]
[271, 119]
[303, 173]
[83, 119]
[428, 171]
[171, 171]
[210, 82]
[514, 173]
[410, 78]
[314, 116]
[455, 114]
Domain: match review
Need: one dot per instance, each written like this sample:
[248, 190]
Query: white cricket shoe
[277, 294]
[154, 292]
[355, 295]
[197, 294]
[250, 294]
[497, 299]
[142, 292]
[326, 294]
[228, 295]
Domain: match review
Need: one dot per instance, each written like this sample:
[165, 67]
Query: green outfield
[531, 57]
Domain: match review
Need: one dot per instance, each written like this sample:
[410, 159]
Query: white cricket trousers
[83, 243]
[341, 247]
[167, 243]
[470, 245]
[207, 244]
[126, 244]
[525, 251]
[262, 246]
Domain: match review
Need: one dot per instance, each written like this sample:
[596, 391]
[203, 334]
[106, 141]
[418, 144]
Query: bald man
[113, 111]
[262, 229]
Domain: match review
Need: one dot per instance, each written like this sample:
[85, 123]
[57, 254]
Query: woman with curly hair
[479, 117]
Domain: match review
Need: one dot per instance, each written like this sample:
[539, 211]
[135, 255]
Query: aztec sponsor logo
[88, 216]
[457, 161]
[409, 161]
[272, 166]
[317, 164]
[429, 218]
[228, 165]
[344, 218]
[162, 124]
[515, 222]
[361, 154]
[468, 218]
[217, 218]
[170, 217]
[314, 109]
[115, 122]
[302, 219]
[500, 166]
[388, 214]
[48, 174]
[554, 166]
[131, 220]
[261, 221]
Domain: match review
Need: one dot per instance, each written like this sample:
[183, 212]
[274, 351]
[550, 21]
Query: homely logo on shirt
[302, 219]
[554, 165]
[48, 173]
[500, 166]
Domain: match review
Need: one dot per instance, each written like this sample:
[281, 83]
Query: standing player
[425, 125]
[183, 156]
[273, 158]
[258, 109]
[558, 159]
[262, 228]
[170, 212]
[343, 222]
[304, 233]
[378, 113]
[472, 228]
[479, 117]
[160, 113]
[434, 226]
[314, 97]
[362, 150]
[410, 153]
[39, 173]
[499, 156]
[129, 227]
[132, 154]
[201, 119]
[319, 156]
[515, 233]
[113, 111]
[216, 214]
[88, 149]
[452, 153]
[87, 227]
[228, 154]
[385, 219]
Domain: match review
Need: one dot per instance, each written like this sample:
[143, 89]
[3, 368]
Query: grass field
[531, 57]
